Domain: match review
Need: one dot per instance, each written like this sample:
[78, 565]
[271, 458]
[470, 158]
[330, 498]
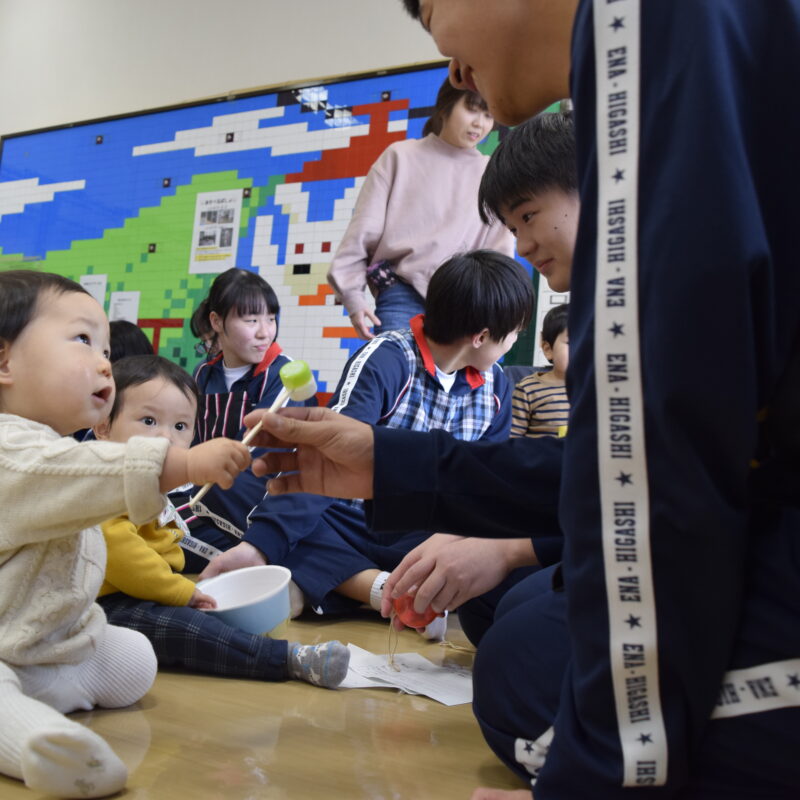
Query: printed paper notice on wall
[96, 286]
[215, 236]
[124, 305]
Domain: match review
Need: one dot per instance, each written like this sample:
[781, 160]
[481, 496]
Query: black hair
[203, 331]
[477, 290]
[20, 290]
[128, 339]
[240, 291]
[446, 100]
[535, 156]
[555, 323]
[135, 370]
[200, 324]
[412, 7]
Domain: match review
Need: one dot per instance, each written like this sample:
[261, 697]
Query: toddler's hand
[202, 601]
[217, 461]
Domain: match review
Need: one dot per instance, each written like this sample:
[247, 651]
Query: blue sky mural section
[119, 184]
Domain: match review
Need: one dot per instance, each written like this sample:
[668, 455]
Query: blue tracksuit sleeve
[680, 326]
[276, 524]
[431, 481]
[369, 384]
[500, 427]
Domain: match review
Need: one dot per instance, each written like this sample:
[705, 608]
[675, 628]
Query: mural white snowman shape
[311, 325]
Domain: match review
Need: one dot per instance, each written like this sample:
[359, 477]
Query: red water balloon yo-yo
[404, 609]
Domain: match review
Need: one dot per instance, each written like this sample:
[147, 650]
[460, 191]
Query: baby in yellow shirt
[143, 588]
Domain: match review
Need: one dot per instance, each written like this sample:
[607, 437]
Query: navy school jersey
[221, 411]
[683, 312]
[392, 381]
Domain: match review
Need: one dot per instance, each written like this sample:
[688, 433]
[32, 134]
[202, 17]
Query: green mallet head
[298, 381]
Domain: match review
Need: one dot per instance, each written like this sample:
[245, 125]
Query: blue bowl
[253, 599]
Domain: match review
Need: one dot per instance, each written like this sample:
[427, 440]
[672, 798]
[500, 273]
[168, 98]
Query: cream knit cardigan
[54, 491]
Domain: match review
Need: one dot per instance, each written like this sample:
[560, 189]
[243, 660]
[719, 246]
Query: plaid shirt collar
[417, 323]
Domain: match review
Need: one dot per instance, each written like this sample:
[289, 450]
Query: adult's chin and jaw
[513, 105]
[517, 83]
[556, 280]
[509, 105]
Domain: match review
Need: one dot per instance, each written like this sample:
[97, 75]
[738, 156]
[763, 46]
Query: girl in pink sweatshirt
[417, 207]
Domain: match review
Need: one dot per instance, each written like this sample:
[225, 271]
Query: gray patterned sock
[321, 664]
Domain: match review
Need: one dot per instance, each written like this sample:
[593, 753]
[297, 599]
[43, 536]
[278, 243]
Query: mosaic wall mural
[146, 209]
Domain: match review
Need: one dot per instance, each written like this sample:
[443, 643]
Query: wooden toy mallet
[298, 384]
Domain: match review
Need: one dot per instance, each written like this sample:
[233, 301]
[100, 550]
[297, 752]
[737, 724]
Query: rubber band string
[394, 637]
[460, 647]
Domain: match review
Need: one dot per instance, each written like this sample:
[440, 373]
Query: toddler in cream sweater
[57, 652]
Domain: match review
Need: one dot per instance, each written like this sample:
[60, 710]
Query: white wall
[71, 60]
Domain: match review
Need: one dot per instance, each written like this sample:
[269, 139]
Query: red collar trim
[417, 324]
[474, 378]
[273, 351]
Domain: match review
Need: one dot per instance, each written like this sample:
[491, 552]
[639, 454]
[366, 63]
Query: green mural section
[150, 254]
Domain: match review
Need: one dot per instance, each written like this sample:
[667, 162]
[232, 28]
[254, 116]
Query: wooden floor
[204, 738]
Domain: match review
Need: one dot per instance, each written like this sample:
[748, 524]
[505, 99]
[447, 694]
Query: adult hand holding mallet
[298, 384]
[318, 451]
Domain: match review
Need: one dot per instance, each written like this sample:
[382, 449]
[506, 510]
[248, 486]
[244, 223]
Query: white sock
[71, 761]
[377, 590]
[49, 752]
[435, 630]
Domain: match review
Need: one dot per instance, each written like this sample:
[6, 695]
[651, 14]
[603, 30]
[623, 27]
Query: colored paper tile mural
[160, 202]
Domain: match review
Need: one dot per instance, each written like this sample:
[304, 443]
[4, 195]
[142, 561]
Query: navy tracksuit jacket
[681, 564]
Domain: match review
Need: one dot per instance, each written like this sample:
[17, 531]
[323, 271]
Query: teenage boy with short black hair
[439, 374]
[530, 184]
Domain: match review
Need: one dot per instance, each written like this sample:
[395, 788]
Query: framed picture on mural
[161, 201]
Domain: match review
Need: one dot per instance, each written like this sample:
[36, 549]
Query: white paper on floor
[448, 684]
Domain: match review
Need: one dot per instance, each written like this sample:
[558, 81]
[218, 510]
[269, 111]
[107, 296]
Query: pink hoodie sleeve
[348, 270]
[499, 238]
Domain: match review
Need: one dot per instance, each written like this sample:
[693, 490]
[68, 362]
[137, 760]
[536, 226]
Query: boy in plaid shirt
[439, 374]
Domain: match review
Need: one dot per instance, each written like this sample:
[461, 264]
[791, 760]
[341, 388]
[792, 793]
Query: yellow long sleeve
[142, 560]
